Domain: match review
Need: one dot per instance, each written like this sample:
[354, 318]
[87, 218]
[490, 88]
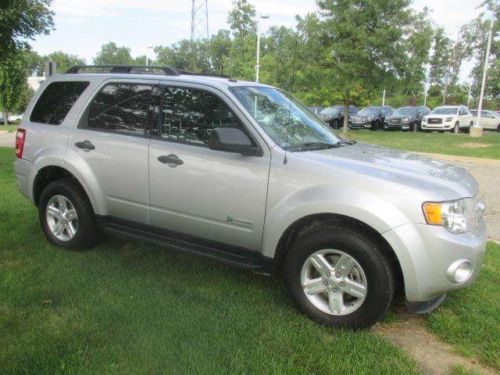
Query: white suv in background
[452, 118]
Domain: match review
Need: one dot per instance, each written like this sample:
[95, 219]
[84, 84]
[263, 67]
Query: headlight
[369, 118]
[452, 215]
[406, 119]
[424, 119]
[448, 119]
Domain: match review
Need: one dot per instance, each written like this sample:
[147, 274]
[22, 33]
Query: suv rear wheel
[339, 277]
[66, 215]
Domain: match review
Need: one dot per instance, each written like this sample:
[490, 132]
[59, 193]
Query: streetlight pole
[147, 58]
[477, 130]
[257, 64]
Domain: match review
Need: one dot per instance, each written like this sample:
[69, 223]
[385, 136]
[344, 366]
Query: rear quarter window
[56, 101]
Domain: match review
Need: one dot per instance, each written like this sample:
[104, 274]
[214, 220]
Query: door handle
[85, 145]
[170, 159]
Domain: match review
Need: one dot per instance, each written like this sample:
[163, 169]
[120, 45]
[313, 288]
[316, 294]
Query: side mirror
[231, 140]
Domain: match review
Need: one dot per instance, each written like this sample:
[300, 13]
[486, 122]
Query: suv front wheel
[66, 215]
[339, 277]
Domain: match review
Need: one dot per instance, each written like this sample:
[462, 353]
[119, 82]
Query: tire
[498, 128]
[335, 124]
[456, 128]
[375, 271]
[85, 231]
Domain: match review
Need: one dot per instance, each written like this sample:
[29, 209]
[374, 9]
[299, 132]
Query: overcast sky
[83, 26]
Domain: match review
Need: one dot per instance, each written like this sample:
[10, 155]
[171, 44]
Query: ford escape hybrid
[245, 174]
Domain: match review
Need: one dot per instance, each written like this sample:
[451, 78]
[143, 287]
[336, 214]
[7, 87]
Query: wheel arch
[304, 224]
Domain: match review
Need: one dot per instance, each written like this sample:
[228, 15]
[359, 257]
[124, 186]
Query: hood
[443, 180]
[440, 115]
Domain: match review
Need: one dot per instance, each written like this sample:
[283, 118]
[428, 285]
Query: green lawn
[470, 318]
[9, 128]
[487, 146]
[130, 308]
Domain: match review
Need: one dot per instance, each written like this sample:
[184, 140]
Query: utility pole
[477, 130]
[468, 94]
[257, 63]
[383, 98]
[199, 20]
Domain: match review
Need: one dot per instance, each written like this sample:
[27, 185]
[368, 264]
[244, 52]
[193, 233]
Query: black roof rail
[167, 70]
[145, 69]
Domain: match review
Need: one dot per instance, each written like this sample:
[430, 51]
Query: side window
[56, 101]
[189, 115]
[121, 108]
[386, 111]
[462, 111]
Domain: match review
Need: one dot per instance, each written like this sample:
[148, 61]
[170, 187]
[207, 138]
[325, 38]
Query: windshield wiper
[314, 146]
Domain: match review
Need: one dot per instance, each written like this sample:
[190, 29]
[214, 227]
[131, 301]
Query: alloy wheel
[62, 218]
[334, 282]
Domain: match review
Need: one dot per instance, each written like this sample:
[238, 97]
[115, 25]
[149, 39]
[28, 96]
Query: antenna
[199, 20]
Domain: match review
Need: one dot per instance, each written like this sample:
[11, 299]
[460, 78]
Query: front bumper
[364, 125]
[428, 253]
[443, 126]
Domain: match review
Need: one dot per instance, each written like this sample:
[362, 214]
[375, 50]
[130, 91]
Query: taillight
[20, 138]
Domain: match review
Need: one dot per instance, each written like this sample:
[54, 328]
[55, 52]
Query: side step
[237, 257]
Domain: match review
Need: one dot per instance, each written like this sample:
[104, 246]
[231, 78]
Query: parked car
[450, 117]
[406, 118]
[372, 118]
[14, 118]
[1, 119]
[489, 120]
[242, 173]
[334, 116]
[316, 110]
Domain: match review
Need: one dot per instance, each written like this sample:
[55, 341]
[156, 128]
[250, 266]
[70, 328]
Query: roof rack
[137, 69]
[167, 70]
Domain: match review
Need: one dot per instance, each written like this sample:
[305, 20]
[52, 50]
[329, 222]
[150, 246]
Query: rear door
[112, 139]
[214, 195]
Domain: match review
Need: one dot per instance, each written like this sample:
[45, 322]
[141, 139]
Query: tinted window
[188, 115]
[121, 108]
[56, 101]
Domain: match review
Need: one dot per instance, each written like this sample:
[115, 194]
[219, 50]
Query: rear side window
[56, 101]
[121, 108]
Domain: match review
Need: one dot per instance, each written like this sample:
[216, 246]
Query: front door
[112, 141]
[214, 195]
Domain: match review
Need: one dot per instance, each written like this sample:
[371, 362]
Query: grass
[131, 308]
[9, 128]
[470, 318]
[487, 146]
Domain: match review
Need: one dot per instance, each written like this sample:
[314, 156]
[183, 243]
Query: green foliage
[12, 83]
[21, 20]
[111, 54]
[241, 19]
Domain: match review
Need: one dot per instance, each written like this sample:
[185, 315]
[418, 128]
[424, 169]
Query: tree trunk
[345, 126]
[445, 93]
[5, 117]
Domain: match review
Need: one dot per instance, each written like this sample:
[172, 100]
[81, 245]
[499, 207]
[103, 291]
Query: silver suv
[245, 174]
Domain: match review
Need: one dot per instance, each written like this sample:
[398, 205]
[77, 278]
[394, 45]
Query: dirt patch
[474, 145]
[433, 356]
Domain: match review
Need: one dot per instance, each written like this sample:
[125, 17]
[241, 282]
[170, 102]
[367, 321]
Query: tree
[241, 19]
[12, 82]
[185, 55]
[111, 54]
[63, 60]
[363, 39]
[21, 20]
[218, 50]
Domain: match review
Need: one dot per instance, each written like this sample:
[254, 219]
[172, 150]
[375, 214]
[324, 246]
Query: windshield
[370, 111]
[331, 110]
[444, 111]
[405, 111]
[287, 121]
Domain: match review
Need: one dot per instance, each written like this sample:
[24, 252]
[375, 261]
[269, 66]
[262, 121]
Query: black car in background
[316, 109]
[372, 118]
[406, 118]
[334, 116]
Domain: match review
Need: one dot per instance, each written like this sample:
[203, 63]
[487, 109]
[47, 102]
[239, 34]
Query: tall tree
[363, 38]
[241, 19]
[111, 54]
[63, 60]
[12, 82]
[21, 20]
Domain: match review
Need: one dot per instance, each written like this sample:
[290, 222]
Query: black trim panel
[224, 253]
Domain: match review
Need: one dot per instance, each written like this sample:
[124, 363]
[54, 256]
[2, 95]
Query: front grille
[358, 120]
[395, 121]
[434, 120]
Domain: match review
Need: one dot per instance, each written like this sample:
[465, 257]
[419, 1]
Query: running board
[233, 256]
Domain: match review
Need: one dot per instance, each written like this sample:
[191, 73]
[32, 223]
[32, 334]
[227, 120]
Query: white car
[452, 118]
[489, 120]
[14, 118]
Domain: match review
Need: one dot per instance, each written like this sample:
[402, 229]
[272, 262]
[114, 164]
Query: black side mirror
[231, 140]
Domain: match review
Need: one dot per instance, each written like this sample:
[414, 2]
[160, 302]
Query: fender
[358, 204]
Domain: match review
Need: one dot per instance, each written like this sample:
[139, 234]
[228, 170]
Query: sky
[81, 27]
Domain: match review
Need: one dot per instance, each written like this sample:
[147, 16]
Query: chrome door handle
[170, 159]
[85, 145]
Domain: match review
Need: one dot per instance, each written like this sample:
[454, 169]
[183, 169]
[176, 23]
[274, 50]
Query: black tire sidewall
[87, 234]
[377, 271]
